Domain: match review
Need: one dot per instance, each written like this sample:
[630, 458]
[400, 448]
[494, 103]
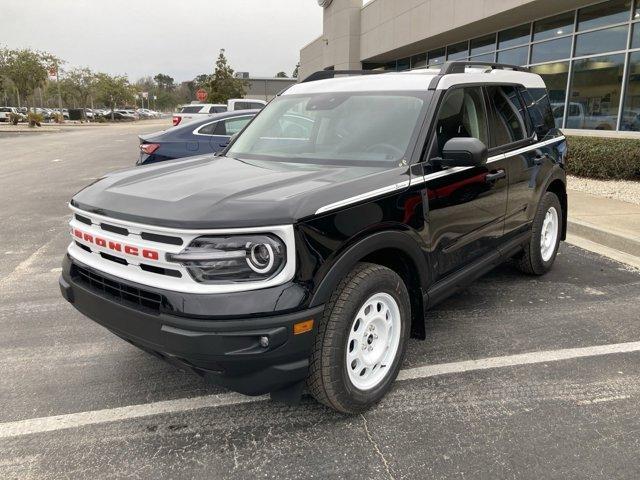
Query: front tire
[361, 339]
[540, 253]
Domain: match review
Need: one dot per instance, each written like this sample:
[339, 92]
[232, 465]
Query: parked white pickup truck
[195, 111]
[5, 113]
[578, 117]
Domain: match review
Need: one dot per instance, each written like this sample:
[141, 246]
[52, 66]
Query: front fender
[404, 241]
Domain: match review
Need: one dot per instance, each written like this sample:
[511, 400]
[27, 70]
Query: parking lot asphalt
[507, 385]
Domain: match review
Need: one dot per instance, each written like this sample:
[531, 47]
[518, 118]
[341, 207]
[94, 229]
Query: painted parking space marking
[96, 417]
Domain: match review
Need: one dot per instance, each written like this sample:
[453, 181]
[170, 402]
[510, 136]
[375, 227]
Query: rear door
[466, 205]
[514, 142]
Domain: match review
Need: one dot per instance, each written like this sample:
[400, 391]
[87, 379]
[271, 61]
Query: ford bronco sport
[308, 252]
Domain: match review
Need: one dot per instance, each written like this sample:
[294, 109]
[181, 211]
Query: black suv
[308, 252]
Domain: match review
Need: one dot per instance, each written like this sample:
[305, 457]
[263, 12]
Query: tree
[113, 90]
[281, 75]
[222, 85]
[165, 82]
[78, 86]
[295, 72]
[27, 70]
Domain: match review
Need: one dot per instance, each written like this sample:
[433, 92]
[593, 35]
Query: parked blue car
[209, 135]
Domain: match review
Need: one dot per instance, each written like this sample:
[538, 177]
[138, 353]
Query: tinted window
[256, 106]
[631, 118]
[459, 51]
[551, 50]
[515, 56]
[555, 76]
[539, 109]
[508, 123]
[595, 92]
[514, 36]
[553, 27]
[403, 64]
[462, 114]
[436, 57]
[606, 13]
[218, 109]
[208, 129]
[195, 109]
[484, 44]
[600, 41]
[635, 40]
[242, 106]
[487, 57]
[419, 61]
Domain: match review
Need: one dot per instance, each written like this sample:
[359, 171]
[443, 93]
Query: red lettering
[88, 238]
[150, 254]
[101, 242]
[78, 233]
[115, 246]
[130, 250]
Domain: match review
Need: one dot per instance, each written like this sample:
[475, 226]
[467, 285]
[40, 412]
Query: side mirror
[463, 152]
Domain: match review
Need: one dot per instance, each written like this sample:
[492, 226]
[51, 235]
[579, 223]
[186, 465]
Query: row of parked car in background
[89, 114]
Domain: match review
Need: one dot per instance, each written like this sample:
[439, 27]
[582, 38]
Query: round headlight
[261, 257]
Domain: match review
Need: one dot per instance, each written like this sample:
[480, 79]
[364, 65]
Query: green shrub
[35, 119]
[14, 118]
[604, 158]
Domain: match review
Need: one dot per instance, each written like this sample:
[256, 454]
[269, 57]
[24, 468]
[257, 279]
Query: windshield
[342, 128]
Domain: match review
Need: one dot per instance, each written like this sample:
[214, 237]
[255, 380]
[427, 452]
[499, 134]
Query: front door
[466, 206]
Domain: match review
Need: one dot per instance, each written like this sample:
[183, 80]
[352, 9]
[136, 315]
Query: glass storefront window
[635, 39]
[458, 51]
[419, 61]
[553, 26]
[551, 50]
[555, 76]
[487, 57]
[600, 41]
[606, 13]
[391, 66]
[636, 12]
[515, 56]
[484, 44]
[595, 93]
[436, 57]
[631, 113]
[514, 36]
[403, 64]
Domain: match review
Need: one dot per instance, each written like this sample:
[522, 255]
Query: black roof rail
[326, 74]
[460, 66]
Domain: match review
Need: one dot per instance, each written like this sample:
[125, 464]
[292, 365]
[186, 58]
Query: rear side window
[242, 106]
[507, 122]
[208, 129]
[191, 109]
[539, 108]
[256, 106]
[462, 114]
[217, 109]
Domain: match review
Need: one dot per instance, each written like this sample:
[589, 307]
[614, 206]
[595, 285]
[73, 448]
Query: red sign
[202, 95]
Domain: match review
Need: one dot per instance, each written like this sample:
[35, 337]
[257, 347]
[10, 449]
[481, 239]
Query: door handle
[494, 177]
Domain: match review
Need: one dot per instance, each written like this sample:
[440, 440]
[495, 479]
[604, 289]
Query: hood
[222, 192]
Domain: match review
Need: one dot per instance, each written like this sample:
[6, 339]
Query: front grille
[118, 291]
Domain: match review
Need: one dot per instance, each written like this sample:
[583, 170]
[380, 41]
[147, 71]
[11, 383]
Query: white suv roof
[415, 80]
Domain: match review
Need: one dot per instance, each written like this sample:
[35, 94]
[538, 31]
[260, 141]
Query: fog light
[264, 342]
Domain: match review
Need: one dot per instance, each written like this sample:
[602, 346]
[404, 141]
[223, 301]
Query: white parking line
[83, 419]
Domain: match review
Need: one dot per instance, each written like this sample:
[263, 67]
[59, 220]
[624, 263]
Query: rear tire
[361, 339]
[540, 253]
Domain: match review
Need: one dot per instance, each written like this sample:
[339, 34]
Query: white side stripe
[97, 417]
[416, 181]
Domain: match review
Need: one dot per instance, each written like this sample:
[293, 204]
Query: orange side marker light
[303, 327]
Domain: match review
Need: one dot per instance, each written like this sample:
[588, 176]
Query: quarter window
[508, 122]
[208, 129]
[462, 114]
[231, 126]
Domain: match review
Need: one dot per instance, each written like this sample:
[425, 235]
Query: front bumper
[226, 352]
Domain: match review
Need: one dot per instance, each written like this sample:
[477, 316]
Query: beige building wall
[385, 30]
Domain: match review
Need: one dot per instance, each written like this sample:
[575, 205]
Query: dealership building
[587, 52]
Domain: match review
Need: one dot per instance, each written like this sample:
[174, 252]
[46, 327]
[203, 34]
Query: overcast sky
[177, 37]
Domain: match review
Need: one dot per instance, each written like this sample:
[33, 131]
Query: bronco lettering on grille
[116, 246]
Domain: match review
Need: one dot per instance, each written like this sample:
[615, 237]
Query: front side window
[508, 122]
[338, 128]
[462, 114]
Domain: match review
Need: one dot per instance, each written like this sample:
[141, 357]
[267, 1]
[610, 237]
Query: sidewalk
[604, 221]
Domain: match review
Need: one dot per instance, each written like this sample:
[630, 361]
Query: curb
[617, 241]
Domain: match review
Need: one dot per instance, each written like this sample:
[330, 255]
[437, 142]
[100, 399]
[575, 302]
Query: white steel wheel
[373, 341]
[549, 234]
